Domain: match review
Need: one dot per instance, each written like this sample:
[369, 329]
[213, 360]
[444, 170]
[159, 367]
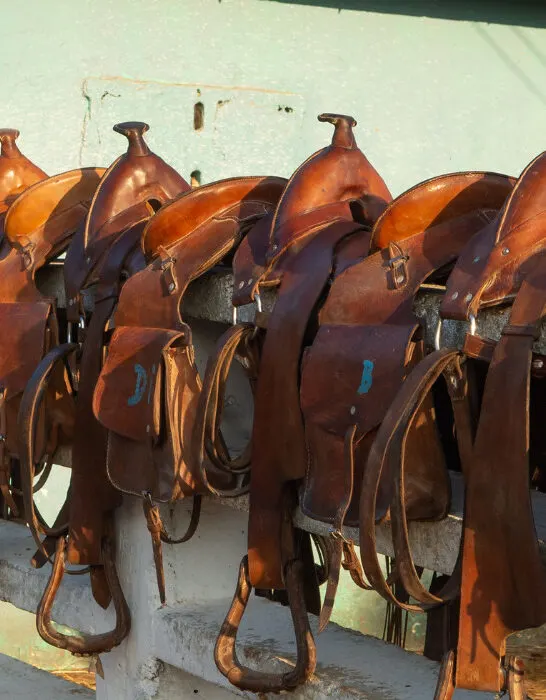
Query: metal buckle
[438, 331]
[397, 264]
[69, 332]
[257, 301]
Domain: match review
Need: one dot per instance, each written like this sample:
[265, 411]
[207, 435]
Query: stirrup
[225, 654]
[513, 671]
[78, 643]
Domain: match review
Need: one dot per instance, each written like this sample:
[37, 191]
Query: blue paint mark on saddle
[140, 385]
[367, 378]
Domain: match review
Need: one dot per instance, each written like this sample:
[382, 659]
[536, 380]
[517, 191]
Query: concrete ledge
[435, 545]
[183, 634]
[350, 665]
[20, 681]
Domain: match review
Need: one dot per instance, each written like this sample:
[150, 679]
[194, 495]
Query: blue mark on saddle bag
[140, 385]
[367, 377]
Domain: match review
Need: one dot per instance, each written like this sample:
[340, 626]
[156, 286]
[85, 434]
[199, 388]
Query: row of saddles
[355, 418]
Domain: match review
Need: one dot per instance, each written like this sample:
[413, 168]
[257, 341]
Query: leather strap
[391, 436]
[239, 340]
[342, 547]
[27, 424]
[92, 495]
[278, 439]
[159, 534]
[499, 535]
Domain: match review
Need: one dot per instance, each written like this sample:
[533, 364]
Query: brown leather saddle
[330, 385]
[38, 227]
[148, 389]
[347, 422]
[504, 262]
[104, 252]
[327, 209]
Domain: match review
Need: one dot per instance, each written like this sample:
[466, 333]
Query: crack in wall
[86, 118]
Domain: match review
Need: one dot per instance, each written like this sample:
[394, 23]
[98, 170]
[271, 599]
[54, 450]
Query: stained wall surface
[435, 86]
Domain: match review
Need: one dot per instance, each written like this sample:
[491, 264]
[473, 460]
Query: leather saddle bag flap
[145, 397]
[350, 376]
[27, 329]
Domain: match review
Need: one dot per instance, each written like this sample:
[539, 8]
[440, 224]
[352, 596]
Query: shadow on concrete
[528, 13]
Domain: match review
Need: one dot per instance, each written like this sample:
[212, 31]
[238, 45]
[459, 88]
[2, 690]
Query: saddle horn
[134, 131]
[9, 148]
[343, 129]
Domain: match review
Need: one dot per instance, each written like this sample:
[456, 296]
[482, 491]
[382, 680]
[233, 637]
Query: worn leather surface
[279, 453]
[137, 184]
[491, 268]
[329, 186]
[184, 240]
[440, 200]
[134, 186]
[245, 198]
[17, 172]
[38, 225]
[500, 539]
[367, 342]
[317, 203]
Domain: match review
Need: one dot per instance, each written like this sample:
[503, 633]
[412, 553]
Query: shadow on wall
[527, 13]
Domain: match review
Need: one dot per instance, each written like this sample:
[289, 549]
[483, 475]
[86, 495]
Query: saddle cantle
[17, 172]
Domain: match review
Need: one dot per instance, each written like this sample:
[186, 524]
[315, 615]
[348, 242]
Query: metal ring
[257, 300]
[438, 331]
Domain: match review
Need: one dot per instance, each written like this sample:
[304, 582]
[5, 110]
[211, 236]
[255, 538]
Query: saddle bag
[144, 397]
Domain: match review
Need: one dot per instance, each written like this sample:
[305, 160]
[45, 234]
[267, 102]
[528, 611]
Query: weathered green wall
[431, 94]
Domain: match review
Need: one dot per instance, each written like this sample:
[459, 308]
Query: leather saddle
[504, 263]
[105, 251]
[337, 348]
[329, 205]
[347, 421]
[148, 389]
[38, 227]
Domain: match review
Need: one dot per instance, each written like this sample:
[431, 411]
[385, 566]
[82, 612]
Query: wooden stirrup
[79, 643]
[225, 654]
